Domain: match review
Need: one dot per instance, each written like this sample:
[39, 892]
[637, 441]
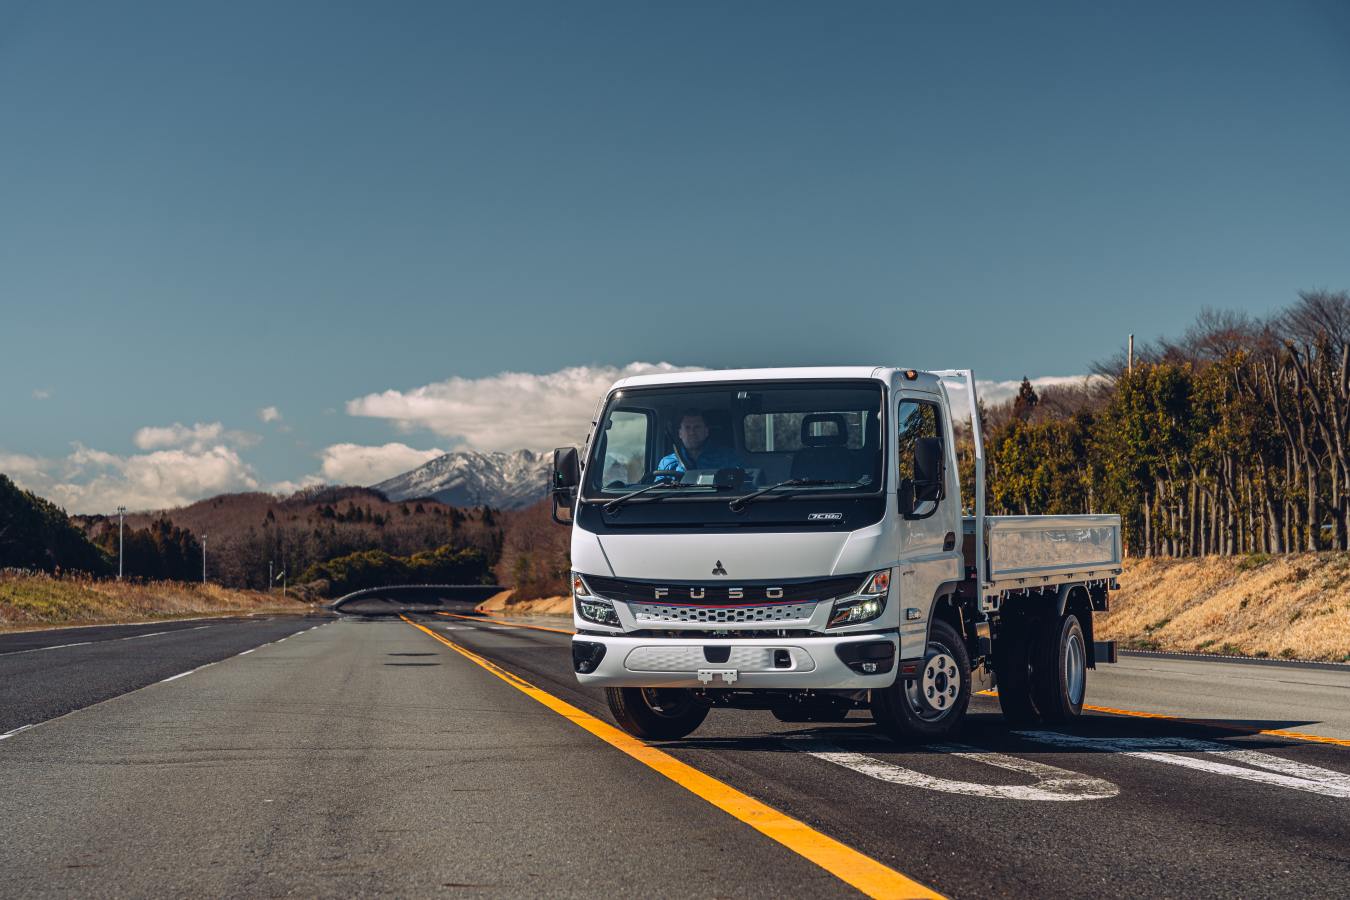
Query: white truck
[794, 540]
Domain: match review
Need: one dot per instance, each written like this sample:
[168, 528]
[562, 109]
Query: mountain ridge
[497, 478]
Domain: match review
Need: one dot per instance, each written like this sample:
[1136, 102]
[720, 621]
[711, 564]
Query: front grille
[655, 613]
[719, 593]
[723, 634]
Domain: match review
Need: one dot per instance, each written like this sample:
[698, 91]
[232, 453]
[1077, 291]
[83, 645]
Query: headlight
[878, 585]
[866, 607]
[592, 608]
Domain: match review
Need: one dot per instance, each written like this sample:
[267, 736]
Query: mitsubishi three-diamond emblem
[718, 569]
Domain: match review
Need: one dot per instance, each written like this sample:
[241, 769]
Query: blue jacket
[711, 458]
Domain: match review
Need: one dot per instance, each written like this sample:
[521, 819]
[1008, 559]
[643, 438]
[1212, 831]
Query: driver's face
[693, 432]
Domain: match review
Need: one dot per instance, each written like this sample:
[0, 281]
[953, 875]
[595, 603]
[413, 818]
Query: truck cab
[794, 540]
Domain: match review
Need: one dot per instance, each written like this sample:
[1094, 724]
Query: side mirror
[927, 484]
[927, 469]
[566, 477]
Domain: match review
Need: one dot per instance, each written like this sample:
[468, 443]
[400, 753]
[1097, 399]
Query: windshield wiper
[740, 503]
[617, 502]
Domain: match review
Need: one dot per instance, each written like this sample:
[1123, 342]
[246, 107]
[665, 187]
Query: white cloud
[94, 481]
[506, 411]
[269, 414]
[42, 393]
[286, 488]
[196, 438]
[357, 464]
[20, 468]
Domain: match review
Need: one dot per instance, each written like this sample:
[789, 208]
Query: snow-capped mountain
[470, 478]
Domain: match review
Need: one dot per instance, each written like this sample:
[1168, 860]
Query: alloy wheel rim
[933, 695]
[1075, 669]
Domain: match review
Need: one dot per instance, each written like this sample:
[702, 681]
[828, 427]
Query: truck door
[930, 539]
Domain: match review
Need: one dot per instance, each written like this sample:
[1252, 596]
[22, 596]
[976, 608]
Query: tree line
[1231, 439]
[375, 568]
[37, 534]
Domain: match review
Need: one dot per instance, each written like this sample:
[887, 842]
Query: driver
[697, 452]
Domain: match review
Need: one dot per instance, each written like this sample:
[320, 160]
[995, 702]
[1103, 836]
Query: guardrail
[420, 595]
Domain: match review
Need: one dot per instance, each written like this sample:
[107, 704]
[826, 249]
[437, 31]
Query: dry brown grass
[41, 601]
[1295, 606]
[504, 602]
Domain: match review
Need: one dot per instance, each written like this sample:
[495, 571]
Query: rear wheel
[931, 706]
[1060, 670]
[656, 714]
[1012, 669]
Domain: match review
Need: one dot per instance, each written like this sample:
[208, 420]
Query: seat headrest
[837, 438]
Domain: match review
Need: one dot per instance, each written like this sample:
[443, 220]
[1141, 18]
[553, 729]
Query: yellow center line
[843, 862]
[1275, 732]
[504, 622]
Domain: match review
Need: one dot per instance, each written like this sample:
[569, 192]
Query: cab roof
[923, 381]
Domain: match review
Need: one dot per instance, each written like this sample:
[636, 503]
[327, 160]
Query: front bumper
[757, 663]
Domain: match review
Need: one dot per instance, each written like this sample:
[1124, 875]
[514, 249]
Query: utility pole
[270, 579]
[121, 513]
[1131, 355]
[204, 559]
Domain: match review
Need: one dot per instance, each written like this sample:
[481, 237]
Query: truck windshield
[727, 440]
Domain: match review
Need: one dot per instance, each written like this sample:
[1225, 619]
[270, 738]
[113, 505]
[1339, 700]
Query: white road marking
[151, 634]
[40, 649]
[10, 734]
[246, 652]
[1279, 772]
[188, 672]
[1052, 783]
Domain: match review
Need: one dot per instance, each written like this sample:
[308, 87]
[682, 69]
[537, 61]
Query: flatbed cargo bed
[1033, 552]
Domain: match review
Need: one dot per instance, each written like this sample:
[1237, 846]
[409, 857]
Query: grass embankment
[1295, 606]
[41, 601]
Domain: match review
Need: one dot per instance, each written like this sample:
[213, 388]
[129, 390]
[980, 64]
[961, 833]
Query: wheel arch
[1075, 598]
[948, 606]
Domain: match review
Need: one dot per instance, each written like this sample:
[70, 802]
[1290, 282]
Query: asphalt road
[366, 757]
[45, 674]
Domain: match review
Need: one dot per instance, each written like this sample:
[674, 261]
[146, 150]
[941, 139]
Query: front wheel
[656, 714]
[931, 706]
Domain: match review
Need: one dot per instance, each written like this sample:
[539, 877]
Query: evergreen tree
[1025, 402]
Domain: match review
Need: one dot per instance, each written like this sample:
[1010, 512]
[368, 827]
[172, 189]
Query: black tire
[1012, 669]
[656, 714]
[1059, 670]
[905, 710]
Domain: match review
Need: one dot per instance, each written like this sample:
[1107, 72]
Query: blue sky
[210, 209]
